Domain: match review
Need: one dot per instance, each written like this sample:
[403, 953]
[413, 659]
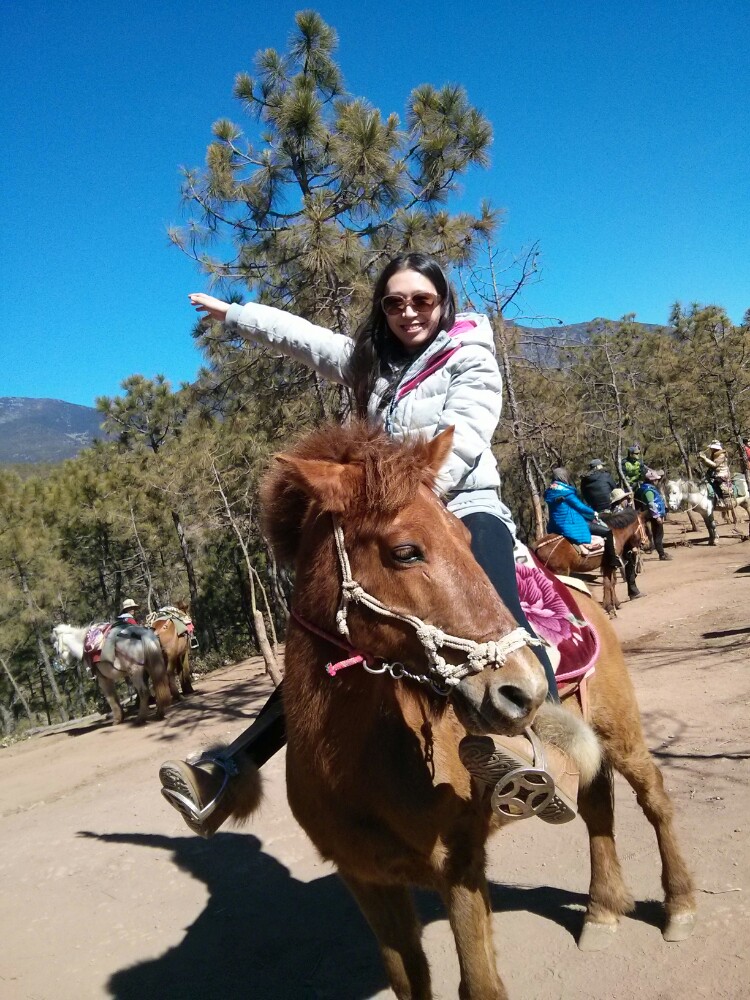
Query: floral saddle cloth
[553, 613]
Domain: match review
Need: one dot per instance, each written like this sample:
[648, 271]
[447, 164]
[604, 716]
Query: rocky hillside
[44, 430]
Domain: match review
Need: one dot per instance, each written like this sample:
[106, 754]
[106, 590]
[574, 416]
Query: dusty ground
[105, 892]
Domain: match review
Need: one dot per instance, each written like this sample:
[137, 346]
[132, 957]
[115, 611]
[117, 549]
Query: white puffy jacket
[455, 382]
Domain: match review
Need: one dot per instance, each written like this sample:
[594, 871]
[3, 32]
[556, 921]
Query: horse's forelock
[391, 474]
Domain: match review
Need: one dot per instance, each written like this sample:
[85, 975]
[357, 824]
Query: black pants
[657, 530]
[492, 547]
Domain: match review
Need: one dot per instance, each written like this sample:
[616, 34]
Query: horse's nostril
[516, 696]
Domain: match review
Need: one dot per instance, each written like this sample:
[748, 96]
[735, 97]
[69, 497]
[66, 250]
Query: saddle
[118, 632]
[555, 616]
[182, 620]
[94, 639]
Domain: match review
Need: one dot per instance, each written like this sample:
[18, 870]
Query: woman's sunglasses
[422, 302]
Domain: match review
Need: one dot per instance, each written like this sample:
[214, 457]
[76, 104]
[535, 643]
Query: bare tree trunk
[144, 562]
[272, 665]
[202, 624]
[527, 468]
[19, 693]
[43, 655]
[675, 436]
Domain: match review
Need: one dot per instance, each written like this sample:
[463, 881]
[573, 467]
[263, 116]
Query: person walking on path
[649, 499]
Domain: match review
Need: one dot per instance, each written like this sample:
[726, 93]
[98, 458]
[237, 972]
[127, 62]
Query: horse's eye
[407, 554]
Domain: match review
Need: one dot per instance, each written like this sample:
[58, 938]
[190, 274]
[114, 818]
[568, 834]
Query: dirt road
[106, 893]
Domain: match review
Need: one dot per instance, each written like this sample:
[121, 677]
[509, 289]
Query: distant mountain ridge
[45, 430]
[51, 430]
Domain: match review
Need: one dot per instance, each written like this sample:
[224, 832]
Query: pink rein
[333, 668]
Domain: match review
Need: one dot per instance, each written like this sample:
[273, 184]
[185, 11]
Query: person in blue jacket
[569, 515]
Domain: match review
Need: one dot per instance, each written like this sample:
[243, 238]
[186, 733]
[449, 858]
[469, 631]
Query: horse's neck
[73, 639]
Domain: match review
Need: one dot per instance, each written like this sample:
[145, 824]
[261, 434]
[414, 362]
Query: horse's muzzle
[504, 700]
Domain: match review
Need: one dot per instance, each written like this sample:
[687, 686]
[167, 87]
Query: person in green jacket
[633, 466]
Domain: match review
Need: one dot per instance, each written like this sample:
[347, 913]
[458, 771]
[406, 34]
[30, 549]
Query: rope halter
[444, 675]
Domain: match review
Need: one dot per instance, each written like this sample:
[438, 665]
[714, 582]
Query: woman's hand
[207, 304]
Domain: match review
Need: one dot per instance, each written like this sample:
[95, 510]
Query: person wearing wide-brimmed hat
[127, 612]
[718, 473]
[596, 485]
[619, 499]
[649, 499]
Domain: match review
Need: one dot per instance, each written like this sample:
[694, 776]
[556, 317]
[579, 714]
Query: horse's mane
[620, 518]
[392, 471]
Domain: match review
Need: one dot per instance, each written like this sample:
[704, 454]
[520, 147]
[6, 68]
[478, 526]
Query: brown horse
[176, 650]
[621, 550]
[373, 768]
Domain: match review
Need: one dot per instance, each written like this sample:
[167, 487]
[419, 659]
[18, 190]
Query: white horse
[684, 494]
[134, 655]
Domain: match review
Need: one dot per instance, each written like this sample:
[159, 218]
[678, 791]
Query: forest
[300, 207]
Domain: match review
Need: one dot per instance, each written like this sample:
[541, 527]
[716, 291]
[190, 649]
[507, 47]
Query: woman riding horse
[415, 367]
[570, 517]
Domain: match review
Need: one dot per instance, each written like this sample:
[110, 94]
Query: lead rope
[480, 654]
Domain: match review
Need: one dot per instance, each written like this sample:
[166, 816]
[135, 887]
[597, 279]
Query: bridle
[441, 675]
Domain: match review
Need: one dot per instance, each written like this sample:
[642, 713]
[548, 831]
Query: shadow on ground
[265, 934]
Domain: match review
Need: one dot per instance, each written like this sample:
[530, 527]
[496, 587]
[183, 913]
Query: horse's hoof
[679, 927]
[595, 936]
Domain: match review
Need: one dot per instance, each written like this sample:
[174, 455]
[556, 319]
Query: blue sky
[622, 145]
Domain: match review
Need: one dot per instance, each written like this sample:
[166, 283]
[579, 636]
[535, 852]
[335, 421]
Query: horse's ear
[330, 483]
[438, 450]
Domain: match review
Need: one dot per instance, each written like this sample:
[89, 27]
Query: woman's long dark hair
[376, 350]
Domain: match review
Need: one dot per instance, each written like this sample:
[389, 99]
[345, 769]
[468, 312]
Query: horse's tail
[156, 668]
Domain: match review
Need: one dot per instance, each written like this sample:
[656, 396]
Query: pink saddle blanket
[554, 615]
[94, 639]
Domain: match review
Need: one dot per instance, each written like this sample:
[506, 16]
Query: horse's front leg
[108, 688]
[711, 528]
[467, 902]
[389, 910]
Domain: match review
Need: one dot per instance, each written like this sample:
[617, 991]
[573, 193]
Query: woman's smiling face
[412, 309]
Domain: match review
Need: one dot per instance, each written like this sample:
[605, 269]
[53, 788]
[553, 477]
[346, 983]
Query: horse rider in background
[597, 485]
[570, 517]
[619, 499]
[718, 473]
[649, 499]
[127, 613]
[633, 466]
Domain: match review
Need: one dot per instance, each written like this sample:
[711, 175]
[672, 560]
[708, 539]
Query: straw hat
[617, 495]
[716, 446]
[128, 604]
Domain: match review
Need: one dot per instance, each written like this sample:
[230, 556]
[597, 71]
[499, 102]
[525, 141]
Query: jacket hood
[593, 474]
[557, 491]
[472, 328]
